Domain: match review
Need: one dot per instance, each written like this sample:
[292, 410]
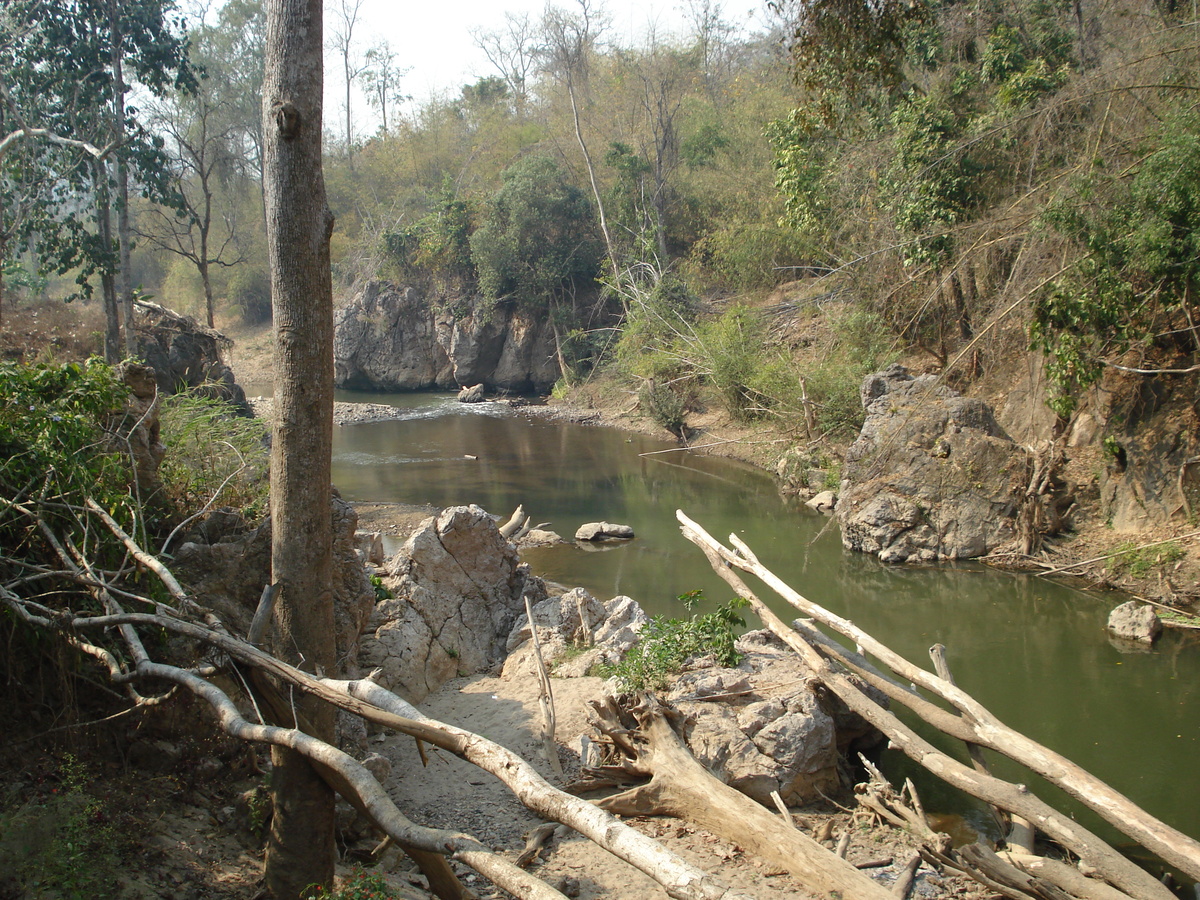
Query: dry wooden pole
[1014, 798]
[985, 728]
[545, 698]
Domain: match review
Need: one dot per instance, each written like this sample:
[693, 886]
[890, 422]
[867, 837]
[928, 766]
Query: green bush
[59, 844]
[58, 434]
[666, 407]
[213, 454]
[361, 885]
[731, 352]
[666, 644]
[249, 294]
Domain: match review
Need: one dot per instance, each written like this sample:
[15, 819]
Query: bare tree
[569, 41]
[382, 77]
[199, 145]
[301, 849]
[345, 20]
[513, 51]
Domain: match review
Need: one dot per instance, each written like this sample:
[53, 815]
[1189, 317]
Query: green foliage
[213, 455]
[666, 644]
[1139, 562]
[361, 885]
[249, 294]
[60, 844]
[747, 256]
[1141, 238]
[665, 406]
[535, 241]
[382, 591]
[437, 244]
[733, 351]
[57, 438]
[931, 183]
[803, 148]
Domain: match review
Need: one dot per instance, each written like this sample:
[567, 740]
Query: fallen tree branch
[1114, 867]
[979, 725]
[374, 703]
[680, 786]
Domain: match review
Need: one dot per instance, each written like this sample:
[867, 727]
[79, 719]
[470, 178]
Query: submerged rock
[602, 531]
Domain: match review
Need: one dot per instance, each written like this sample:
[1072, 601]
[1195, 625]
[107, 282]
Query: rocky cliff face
[396, 338]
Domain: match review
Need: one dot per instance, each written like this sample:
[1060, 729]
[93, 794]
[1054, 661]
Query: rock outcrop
[769, 732]
[228, 563]
[391, 337]
[458, 589]
[186, 354]
[931, 476]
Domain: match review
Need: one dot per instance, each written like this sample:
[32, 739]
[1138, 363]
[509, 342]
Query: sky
[433, 37]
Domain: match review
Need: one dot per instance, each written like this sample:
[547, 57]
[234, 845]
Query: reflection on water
[1034, 651]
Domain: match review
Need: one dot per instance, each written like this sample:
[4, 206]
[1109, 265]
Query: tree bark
[300, 850]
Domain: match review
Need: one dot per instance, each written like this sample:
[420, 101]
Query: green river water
[1034, 651]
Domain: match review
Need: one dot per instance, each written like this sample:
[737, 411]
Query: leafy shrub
[732, 352]
[249, 294]
[535, 241]
[665, 407]
[666, 644]
[361, 885]
[56, 437]
[212, 454]
[60, 844]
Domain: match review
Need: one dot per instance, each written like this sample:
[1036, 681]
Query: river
[1034, 651]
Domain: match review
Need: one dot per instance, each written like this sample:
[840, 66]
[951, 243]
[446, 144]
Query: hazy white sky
[433, 38]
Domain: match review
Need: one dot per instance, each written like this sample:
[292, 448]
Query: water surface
[1033, 651]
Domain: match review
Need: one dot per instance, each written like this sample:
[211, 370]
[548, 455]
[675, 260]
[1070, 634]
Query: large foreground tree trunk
[301, 847]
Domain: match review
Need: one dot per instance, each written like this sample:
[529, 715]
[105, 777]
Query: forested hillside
[958, 182]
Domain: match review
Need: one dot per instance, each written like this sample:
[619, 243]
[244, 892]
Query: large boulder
[931, 476]
[1135, 622]
[185, 354]
[390, 337]
[598, 633]
[458, 588]
[770, 732]
[226, 563]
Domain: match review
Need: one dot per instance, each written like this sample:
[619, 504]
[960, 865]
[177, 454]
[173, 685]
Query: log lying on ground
[678, 878]
[680, 786]
[1016, 799]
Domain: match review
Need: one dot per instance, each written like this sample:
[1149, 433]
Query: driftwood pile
[1102, 871]
[643, 746]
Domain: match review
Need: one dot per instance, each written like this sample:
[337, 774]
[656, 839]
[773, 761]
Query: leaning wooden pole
[1013, 798]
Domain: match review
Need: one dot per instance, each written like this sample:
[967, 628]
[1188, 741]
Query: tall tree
[382, 77]
[513, 51]
[300, 850]
[569, 40]
[345, 18]
[68, 67]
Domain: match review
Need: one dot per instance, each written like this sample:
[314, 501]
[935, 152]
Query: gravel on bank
[343, 413]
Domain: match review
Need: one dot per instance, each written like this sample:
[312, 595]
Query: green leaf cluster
[536, 243]
[58, 439]
[666, 644]
[213, 454]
